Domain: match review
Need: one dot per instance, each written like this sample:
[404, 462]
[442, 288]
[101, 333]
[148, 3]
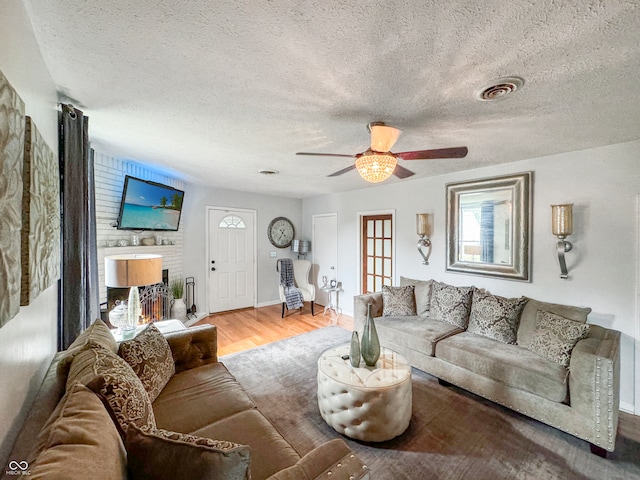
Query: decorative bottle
[134, 310]
[370, 346]
[354, 351]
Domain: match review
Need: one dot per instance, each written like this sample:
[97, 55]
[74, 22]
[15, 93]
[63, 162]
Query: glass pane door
[377, 243]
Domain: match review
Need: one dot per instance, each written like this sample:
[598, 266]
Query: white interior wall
[28, 341]
[602, 183]
[198, 197]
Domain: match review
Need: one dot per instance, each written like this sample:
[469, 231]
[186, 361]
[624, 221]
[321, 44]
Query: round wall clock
[281, 232]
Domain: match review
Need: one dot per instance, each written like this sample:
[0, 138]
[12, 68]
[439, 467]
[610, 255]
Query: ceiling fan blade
[402, 172]
[344, 170]
[326, 154]
[383, 137]
[454, 152]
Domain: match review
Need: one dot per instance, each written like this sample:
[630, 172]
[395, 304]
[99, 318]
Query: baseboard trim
[268, 304]
[627, 407]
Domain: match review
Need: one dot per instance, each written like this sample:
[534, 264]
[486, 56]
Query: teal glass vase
[354, 350]
[370, 345]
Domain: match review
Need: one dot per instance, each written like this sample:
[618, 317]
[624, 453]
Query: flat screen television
[148, 205]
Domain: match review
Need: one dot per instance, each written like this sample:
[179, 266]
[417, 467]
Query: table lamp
[121, 271]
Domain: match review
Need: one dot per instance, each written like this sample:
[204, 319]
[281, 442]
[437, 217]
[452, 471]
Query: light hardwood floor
[250, 327]
[240, 330]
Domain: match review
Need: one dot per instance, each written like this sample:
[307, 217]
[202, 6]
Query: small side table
[333, 299]
[165, 326]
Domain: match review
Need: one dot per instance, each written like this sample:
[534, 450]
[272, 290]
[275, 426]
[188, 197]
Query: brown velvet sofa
[74, 435]
[581, 398]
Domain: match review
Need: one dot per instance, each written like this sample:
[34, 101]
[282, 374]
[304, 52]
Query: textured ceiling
[217, 90]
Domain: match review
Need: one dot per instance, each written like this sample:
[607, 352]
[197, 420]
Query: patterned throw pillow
[555, 336]
[120, 388]
[160, 454]
[451, 304]
[398, 301]
[150, 358]
[97, 332]
[496, 317]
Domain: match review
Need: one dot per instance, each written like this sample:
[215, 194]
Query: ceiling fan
[378, 163]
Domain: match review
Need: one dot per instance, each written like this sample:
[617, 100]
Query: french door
[377, 252]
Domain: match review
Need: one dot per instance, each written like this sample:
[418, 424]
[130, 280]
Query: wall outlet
[273, 254]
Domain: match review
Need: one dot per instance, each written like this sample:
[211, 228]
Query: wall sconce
[423, 228]
[562, 226]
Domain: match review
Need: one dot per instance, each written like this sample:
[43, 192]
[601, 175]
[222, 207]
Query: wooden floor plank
[247, 328]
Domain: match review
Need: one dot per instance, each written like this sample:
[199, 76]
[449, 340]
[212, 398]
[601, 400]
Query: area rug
[453, 434]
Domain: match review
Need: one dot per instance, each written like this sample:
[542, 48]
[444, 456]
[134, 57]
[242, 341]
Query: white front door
[324, 246]
[231, 260]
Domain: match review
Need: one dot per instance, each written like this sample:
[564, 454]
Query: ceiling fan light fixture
[376, 167]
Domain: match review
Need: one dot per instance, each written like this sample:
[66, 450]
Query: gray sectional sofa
[504, 351]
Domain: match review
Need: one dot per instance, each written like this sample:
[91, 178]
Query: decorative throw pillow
[150, 358]
[451, 304]
[422, 294]
[160, 454]
[555, 336]
[529, 317]
[97, 332]
[398, 301]
[116, 383]
[495, 317]
[79, 441]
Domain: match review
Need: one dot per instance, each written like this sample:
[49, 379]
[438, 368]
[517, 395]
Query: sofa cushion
[270, 452]
[150, 358]
[511, 365]
[398, 301]
[161, 454]
[216, 392]
[555, 337]
[495, 317]
[413, 332]
[79, 441]
[451, 304]
[97, 332]
[422, 294]
[112, 378]
[529, 317]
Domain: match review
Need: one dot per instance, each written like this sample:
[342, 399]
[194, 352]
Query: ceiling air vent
[499, 89]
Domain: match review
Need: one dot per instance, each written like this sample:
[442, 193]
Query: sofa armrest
[594, 382]
[193, 347]
[360, 303]
[332, 460]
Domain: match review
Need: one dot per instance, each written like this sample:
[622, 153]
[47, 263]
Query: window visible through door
[377, 248]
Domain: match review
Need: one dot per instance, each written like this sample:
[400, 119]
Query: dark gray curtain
[79, 291]
[486, 232]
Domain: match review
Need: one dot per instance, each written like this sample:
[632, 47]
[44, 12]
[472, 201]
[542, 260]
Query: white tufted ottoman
[365, 403]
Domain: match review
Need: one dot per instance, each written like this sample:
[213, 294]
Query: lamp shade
[301, 246]
[562, 219]
[132, 270]
[375, 167]
[422, 224]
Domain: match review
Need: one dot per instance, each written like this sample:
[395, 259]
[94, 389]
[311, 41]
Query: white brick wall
[109, 179]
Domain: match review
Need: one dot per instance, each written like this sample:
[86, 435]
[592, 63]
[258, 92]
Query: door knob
[213, 269]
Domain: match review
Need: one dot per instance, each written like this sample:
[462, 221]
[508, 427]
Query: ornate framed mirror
[488, 226]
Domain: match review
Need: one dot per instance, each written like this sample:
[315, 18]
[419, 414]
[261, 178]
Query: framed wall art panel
[40, 215]
[11, 155]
